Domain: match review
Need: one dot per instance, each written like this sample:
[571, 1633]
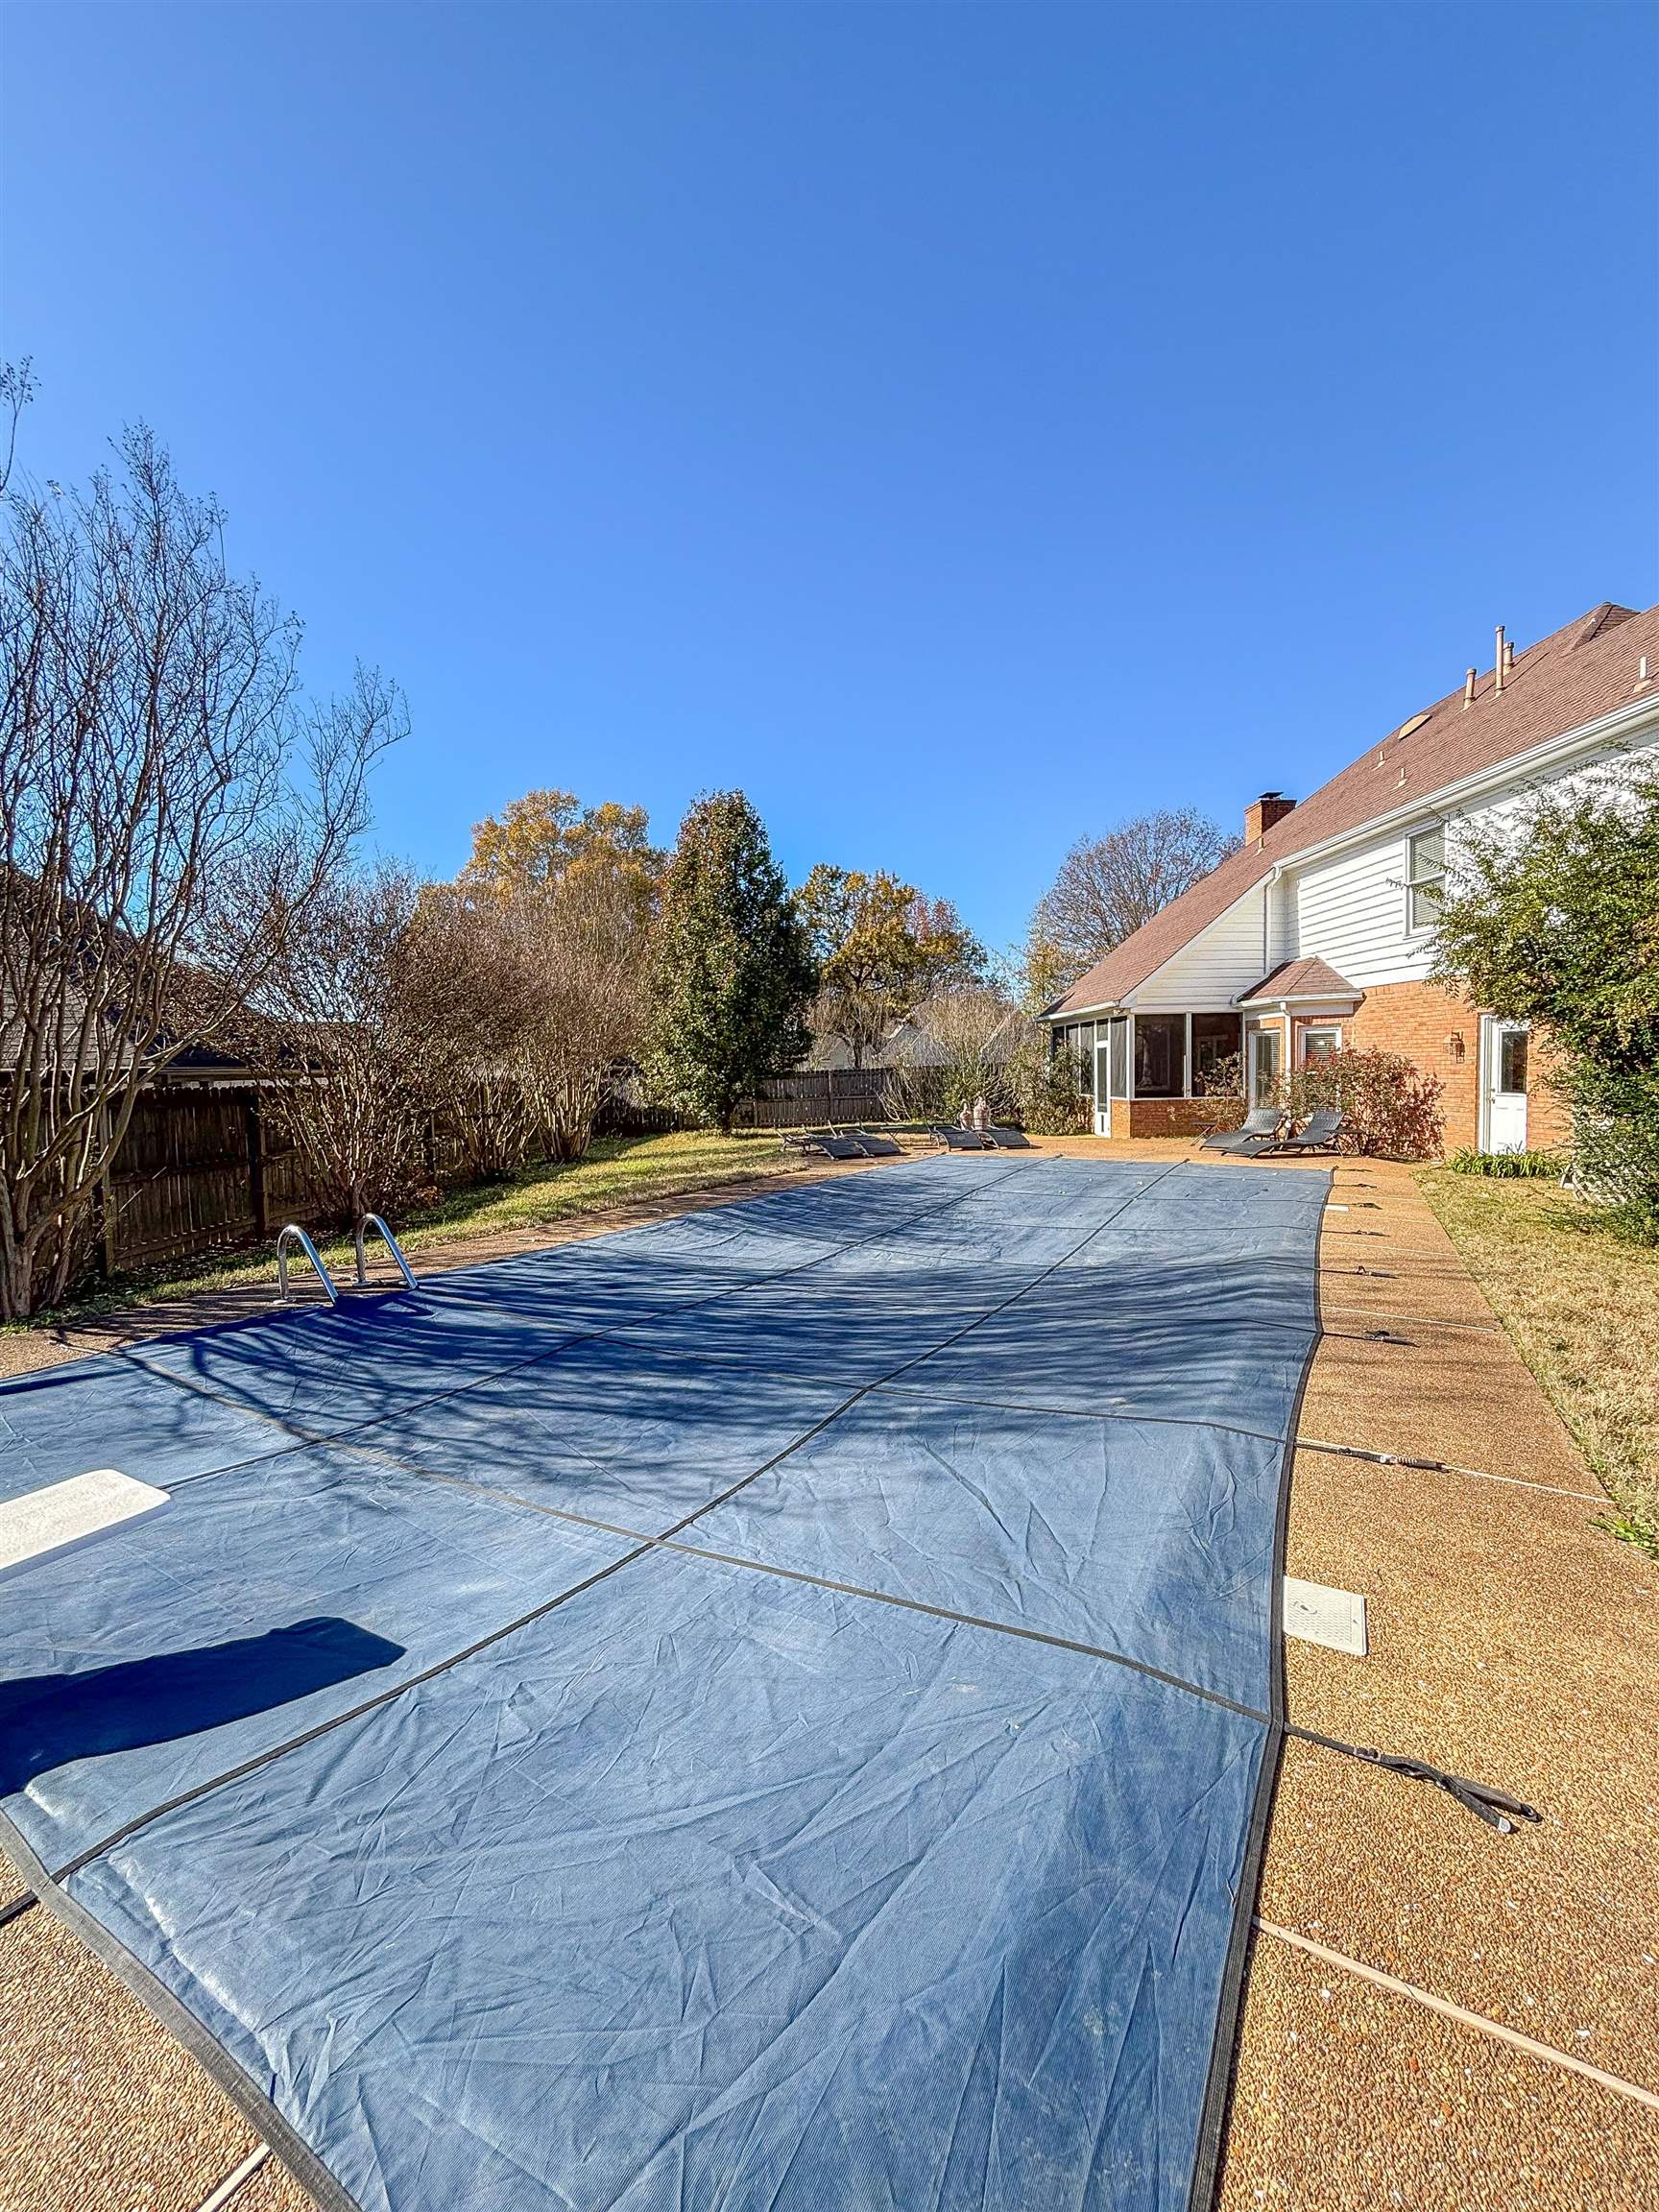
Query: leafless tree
[977, 1042]
[1108, 886]
[170, 804]
[530, 994]
[342, 1030]
[959, 1042]
[593, 936]
[472, 976]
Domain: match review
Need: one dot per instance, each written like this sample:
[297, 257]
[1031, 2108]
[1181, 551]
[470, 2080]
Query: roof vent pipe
[1498, 661]
[1469, 687]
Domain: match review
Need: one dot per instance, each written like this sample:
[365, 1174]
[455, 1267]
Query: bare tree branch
[168, 804]
[1108, 886]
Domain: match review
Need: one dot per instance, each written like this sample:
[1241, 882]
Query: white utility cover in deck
[1333, 1618]
[44, 1523]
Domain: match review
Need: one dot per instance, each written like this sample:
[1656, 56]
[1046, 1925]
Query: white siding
[1512, 812]
[1281, 924]
[1349, 910]
[1210, 971]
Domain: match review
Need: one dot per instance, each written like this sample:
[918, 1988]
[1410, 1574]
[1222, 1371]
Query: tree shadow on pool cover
[49, 1721]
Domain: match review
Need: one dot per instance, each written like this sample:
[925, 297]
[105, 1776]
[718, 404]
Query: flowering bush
[1388, 1105]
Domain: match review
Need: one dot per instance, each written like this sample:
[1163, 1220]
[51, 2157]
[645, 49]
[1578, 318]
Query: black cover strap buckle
[1495, 1807]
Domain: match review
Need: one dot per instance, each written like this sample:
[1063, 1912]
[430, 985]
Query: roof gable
[1580, 672]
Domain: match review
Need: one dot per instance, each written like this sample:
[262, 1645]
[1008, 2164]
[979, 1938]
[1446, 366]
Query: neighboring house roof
[1300, 979]
[1576, 674]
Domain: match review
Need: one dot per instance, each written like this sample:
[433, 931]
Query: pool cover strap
[1495, 1807]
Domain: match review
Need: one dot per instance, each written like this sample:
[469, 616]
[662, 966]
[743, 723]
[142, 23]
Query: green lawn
[618, 1171]
[614, 1171]
[1582, 1307]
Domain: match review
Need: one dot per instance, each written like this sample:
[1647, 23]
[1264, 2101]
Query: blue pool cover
[772, 1710]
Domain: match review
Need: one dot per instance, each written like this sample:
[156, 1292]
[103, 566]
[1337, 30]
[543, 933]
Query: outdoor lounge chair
[1008, 1140]
[834, 1147]
[956, 1139]
[875, 1147]
[1319, 1135]
[1260, 1128]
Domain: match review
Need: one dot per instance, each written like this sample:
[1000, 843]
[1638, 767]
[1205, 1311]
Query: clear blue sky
[959, 425]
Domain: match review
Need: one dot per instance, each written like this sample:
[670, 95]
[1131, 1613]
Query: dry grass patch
[1582, 1307]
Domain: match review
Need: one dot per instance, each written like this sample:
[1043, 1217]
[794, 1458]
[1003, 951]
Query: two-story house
[1318, 932]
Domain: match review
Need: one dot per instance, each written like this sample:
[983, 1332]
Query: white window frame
[1307, 1029]
[1413, 883]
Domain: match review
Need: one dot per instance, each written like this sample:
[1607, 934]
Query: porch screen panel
[1160, 1055]
[1215, 1038]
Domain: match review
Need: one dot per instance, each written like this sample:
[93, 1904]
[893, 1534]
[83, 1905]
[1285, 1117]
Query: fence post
[257, 1165]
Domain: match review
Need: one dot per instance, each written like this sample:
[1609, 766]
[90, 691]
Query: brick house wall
[1439, 1031]
[1168, 1116]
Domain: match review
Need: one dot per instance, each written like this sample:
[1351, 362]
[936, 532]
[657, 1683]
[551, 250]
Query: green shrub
[1467, 1162]
[1046, 1091]
[1556, 920]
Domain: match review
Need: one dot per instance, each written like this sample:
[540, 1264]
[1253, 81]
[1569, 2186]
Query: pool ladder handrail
[374, 1222]
[293, 1230]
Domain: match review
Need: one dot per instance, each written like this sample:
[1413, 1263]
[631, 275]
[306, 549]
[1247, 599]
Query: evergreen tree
[733, 972]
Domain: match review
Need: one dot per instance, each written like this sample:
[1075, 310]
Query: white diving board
[44, 1523]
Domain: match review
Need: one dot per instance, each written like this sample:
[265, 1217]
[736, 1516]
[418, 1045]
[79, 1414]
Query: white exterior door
[1265, 1059]
[1505, 1077]
[1102, 1088]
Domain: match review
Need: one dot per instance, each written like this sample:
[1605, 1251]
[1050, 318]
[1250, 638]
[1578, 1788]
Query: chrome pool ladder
[374, 1222]
[293, 1230]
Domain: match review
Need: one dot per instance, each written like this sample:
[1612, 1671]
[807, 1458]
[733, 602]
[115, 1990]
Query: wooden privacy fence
[199, 1169]
[817, 1094]
[203, 1169]
[801, 1101]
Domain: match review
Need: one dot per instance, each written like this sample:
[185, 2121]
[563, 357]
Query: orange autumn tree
[566, 894]
[536, 842]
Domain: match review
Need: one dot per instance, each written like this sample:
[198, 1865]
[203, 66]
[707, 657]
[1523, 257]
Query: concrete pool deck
[1510, 1641]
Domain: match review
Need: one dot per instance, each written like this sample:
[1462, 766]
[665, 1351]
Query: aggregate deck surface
[1510, 1640]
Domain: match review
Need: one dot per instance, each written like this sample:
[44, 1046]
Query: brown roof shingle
[1301, 979]
[1581, 671]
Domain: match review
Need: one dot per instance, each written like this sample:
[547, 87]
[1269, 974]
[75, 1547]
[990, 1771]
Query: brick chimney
[1262, 814]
